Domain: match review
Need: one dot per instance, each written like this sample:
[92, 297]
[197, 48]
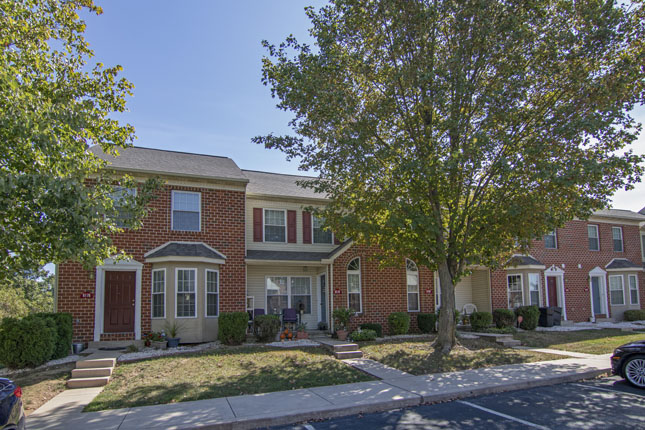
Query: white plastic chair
[469, 308]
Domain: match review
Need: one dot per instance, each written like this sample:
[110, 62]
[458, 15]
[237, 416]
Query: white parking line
[508, 417]
[610, 390]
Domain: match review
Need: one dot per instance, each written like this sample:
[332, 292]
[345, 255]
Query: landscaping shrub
[363, 335]
[399, 322]
[530, 316]
[232, 327]
[373, 326]
[480, 320]
[427, 322]
[342, 316]
[635, 315]
[28, 342]
[504, 318]
[266, 327]
[62, 322]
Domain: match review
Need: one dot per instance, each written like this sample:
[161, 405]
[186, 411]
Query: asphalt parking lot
[607, 403]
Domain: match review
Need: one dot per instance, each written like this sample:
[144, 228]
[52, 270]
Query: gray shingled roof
[523, 260]
[182, 249]
[622, 263]
[620, 213]
[138, 159]
[276, 184]
[285, 255]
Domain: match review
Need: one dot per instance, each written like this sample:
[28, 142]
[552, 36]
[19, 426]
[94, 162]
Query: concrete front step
[509, 342]
[98, 381]
[345, 347]
[96, 363]
[344, 355]
[89, 372]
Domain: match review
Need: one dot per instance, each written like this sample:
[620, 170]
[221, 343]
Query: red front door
[119, 302]
[552, 290]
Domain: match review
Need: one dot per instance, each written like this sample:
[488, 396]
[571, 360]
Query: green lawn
[220, 373]
[419, 358]
[40, 386]
[586, 341]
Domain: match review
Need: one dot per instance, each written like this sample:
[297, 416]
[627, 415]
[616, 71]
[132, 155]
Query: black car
[628, 361]
[12, 414]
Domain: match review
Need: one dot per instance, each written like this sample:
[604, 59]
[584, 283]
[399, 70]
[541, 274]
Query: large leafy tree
[54, 201]
[454, 132]
[27, 292]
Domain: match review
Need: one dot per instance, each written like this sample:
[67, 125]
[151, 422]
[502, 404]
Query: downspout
[330, 269]
[55, 288]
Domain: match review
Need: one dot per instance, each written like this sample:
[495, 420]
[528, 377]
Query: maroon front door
[552, 290]
[119, 302]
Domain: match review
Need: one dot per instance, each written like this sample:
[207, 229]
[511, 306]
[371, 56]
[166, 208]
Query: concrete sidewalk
[285, 407]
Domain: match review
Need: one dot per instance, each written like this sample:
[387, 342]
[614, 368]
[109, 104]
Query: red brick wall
[222, 228]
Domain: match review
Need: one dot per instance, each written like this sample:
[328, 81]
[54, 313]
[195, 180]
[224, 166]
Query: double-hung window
[186, 211]
[159, 293]
[617, 235]
[321, 234]
[594, 239]
[277, 294]
[212, 293]
[119, 197]
[186, 293]
[275, 225]
[412, 276]
[354, 291]
[301, 294]
[551, 240]
[515, 293]
[633, 290]
[616, 293]
[534, 288]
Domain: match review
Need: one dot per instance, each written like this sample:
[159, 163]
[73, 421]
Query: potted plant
[172, 332]
[156, 340]
[342, 317]
[301, 331]
[322, 326]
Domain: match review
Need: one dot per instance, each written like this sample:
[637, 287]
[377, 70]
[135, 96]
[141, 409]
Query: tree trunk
[446, 338]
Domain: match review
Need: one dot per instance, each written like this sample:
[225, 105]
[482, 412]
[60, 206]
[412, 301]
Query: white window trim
[152, 293]
[206, 293]
[508, 290]
[642, 236]
[360, 284]
[629, 289]
[313, 241]
[172, 209]
[176, 290]
[286, 225]
[597, 236]
[407, 293]
[622, 286]
[289, 304]
[622, 239]
[528, 279]
[555, 239]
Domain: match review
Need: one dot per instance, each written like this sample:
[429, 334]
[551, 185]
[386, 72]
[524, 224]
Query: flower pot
[342, 334]
[158, 344]
[173, 342]
[302, 335]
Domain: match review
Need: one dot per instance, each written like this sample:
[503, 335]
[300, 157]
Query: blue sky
[196, 67]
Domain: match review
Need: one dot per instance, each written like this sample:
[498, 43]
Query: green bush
[342, 316]
[28, 342]
[399, 323]
[232, 327]
[62, 322]
[635, 315]
[373, 326]
[504, 318]
[530, 316]
[266, 327]
[480, 320]
[427, 323]
[363, 335]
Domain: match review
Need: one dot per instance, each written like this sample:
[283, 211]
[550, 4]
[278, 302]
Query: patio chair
[289, 318]
[469, 308]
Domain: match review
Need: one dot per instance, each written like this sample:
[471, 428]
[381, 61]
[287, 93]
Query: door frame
[599, 273]
[320, 291]
[110, 265]
[556, 272]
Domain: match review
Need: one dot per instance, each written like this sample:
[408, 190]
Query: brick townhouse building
[220, 239]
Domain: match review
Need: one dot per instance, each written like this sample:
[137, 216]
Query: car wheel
[634, 371]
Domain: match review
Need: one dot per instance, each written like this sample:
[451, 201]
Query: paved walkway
[262, 410]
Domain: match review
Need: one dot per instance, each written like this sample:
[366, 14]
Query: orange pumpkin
[282, 336]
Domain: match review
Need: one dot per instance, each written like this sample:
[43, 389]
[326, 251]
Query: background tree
[27, 292]
[454, 132]
[54, 204]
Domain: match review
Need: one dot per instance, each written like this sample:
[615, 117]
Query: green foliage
[530, 316]
[378, 328]
[504, 318]
[635, 315]
[62, 323]
[26, 292]
[28, 342]
[232, 327]
[53, 106]
[399, 323]
[266, 327]
[427, 322]
[504, 330]
[342, 316]
[363, 335]
[480, 320]
[172, 329]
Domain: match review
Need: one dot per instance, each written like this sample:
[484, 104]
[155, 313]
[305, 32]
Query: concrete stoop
[506, 340]
[92, 373]
[344, 351]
